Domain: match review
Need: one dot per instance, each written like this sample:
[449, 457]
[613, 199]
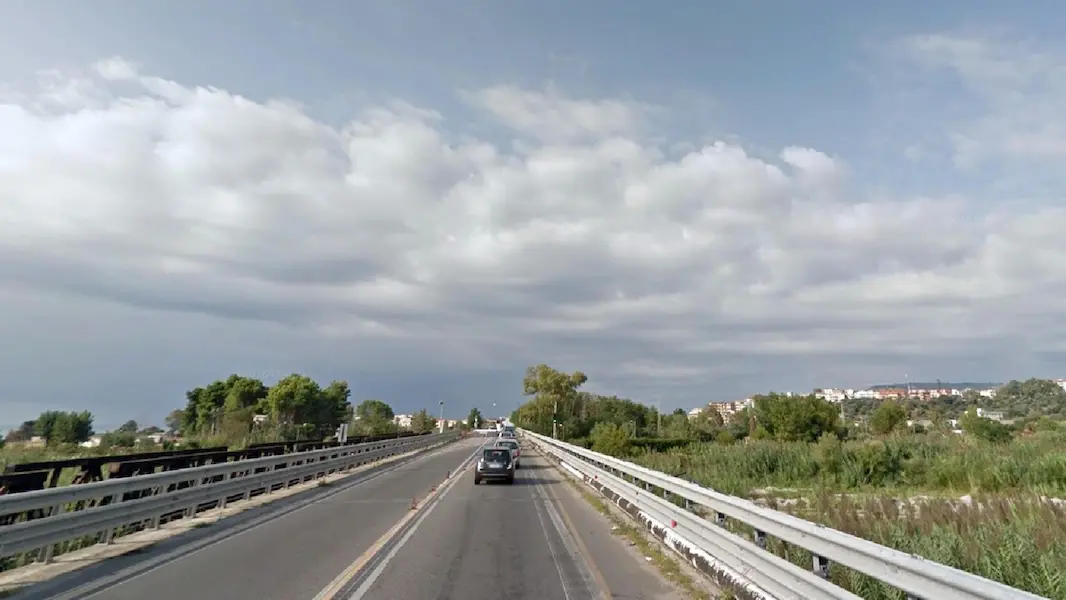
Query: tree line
[55, 427]
[617, 426]
[296, 407]
[241, 408]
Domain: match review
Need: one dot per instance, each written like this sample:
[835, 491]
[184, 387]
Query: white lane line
[103, 584]
[380, 568]
[352, 570]
[570, 545]
[552, 549]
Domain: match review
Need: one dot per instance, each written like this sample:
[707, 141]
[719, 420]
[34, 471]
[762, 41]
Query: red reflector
[673, 523]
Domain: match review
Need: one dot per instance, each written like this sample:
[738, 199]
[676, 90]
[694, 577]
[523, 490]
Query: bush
[659, 444]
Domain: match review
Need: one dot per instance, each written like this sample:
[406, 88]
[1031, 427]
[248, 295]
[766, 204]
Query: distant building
[726, 410]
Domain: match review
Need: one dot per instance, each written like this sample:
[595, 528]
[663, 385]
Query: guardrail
[147, 499]
[649, 495]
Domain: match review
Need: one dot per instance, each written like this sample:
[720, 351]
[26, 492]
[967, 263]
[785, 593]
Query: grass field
[905, 493]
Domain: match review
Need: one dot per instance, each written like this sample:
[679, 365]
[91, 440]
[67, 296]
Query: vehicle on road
[495, 464]
[507, 435]
[512, 445]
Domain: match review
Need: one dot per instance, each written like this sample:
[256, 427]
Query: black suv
[495, 463]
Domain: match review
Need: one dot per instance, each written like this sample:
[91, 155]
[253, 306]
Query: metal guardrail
[751, 567]
[161, 494]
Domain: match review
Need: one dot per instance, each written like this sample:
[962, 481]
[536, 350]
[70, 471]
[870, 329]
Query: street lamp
[442, 416]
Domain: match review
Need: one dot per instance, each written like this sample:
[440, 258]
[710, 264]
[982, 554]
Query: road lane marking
[582, 549]
[103, 584]
[552, 549]
[353, 571]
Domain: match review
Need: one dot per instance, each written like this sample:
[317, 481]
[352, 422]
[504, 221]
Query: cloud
[212, 233]
[1017, 89]
[550, 116]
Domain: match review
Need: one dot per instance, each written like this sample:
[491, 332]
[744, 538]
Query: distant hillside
[922, 385]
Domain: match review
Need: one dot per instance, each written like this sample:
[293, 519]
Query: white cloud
[551, 116]
[1019, 88]
[393, 243]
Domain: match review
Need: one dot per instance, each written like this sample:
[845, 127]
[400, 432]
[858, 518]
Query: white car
[512, 445]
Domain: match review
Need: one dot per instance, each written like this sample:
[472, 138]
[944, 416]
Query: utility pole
[659, 415]
[442, 416]
[555, 421]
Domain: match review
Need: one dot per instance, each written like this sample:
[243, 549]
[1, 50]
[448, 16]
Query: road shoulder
[620, 565]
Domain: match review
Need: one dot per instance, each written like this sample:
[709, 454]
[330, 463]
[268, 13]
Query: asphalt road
[289, 557]
[535, 539]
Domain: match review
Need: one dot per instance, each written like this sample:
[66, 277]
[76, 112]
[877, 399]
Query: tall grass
[895, 492]
[932, 462]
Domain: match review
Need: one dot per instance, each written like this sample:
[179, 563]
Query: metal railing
[649, 495]
[61, 514]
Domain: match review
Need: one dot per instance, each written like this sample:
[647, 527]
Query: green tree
[707, 424]
[70, 428]
[292, 398]
[982, 428]
[796, 418]
[373, 417]
[422, 421]
[887, 417]
[473, 419]
[550, 390]
[610, 439]
[128, 427]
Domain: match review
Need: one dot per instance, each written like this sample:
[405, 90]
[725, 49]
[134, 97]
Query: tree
[174, 420]
[23, 433]
[887, 417]
[58, 427]
[128, 427]
[551, 390]
[290, 400]
[422, 421]
[473, 420]
[982, 428]
[610, 439]
[334, 407]
[796, 418]
[373, 417]
[374, 410]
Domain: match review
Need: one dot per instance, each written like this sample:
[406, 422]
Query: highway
[534, 539]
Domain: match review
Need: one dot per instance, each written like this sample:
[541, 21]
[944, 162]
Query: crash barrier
[671, 508]
[38, 475]
[72, 512]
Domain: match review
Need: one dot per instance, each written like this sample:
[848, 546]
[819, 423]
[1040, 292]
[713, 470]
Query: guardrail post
[719, 519]
[760, 538]
[190, 511]
[44, 555]
[821, 566]
[109, 533]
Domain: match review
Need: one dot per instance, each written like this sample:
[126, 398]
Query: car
[506, 435]
[512, 445]
[495, 464]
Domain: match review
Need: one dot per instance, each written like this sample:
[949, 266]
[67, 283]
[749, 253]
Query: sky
[688, 201]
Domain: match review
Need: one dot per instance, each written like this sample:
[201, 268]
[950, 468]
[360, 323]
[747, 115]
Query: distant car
[507, 435]
[495, 464]
[512, 445]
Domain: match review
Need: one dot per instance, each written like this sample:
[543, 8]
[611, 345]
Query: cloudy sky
[689, 201]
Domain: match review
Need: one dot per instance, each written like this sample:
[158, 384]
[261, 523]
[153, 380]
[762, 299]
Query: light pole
[442, 416]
